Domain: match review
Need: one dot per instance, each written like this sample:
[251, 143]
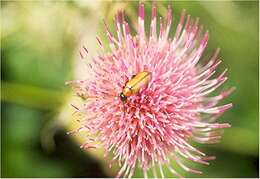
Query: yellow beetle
[138, 81]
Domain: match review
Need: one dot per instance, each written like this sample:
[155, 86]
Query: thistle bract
[156, 124]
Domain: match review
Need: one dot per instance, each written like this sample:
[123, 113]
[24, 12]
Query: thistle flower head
[156, 124]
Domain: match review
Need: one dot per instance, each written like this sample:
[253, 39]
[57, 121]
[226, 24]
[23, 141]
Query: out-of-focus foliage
[39, 52]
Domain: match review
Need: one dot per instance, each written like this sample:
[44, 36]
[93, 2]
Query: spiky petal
[156, 124]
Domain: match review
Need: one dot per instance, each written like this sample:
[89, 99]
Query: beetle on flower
[151, 124]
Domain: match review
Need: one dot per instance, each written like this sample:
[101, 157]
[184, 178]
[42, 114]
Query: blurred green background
[39, 52]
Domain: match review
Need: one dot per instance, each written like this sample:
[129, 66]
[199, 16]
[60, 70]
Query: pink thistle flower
[157, 123]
